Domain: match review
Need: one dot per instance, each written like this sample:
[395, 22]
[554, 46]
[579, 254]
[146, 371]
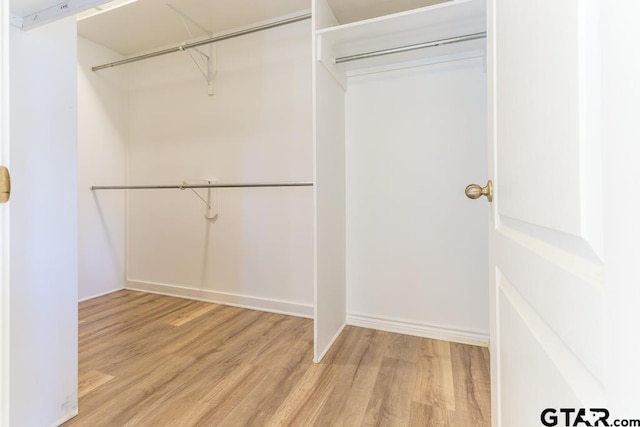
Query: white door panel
[528, 358]
[549, 320]
[539, 111]
[562, 288]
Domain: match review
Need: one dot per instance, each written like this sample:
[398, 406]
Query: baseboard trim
[235, 300]
[101, 295]
[418, 329]
[65, 418]
[328, 347]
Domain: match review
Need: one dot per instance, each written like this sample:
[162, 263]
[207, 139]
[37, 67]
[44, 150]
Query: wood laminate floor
[151, 360]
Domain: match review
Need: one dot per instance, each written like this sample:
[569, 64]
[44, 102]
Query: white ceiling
[138, 26]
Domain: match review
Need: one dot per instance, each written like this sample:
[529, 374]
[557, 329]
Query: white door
[558, 268]
[39, 243]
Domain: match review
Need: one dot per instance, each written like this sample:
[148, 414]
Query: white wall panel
[416, 246]
[256, 128]
[102, 143]
[330, 297]
[43, 226]
[323, 15]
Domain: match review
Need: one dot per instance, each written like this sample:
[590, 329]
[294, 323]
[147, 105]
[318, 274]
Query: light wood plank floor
[150, 360]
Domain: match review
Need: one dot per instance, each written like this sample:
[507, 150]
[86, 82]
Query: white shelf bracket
[210, 67]
[210, 199]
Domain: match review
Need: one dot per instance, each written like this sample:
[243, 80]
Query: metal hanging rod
[186, 186]
[417, 46]
[185, 46]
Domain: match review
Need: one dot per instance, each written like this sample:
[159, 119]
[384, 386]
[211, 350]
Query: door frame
[4, 217]
[493, 217]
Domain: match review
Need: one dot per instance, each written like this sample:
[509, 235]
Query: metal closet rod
[203, 42]
[185, 186]
[408, 48]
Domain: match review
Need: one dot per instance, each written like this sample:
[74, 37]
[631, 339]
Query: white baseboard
[419, 329]
[306, 311]
[66, 418]
[101, 295]
[328, 347]
[236, 300]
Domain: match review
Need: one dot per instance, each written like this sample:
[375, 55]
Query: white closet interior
[385, 237]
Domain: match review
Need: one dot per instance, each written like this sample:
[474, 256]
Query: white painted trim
[102, 294]
[5, 370]
[16, 20]
[65, 419]
[324, 56]
[59, 11]
[419, 329]
[107, 7]
[235, 300]
[333, 340]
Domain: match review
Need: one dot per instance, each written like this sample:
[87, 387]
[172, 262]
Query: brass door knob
[474, 191]
[5, 184]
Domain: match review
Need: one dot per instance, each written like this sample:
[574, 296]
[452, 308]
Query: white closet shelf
[441, 21]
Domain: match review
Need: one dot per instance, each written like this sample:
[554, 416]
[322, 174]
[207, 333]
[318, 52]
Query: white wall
[102, 142]
[43, 225]
[257, 128]
[416, 246]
